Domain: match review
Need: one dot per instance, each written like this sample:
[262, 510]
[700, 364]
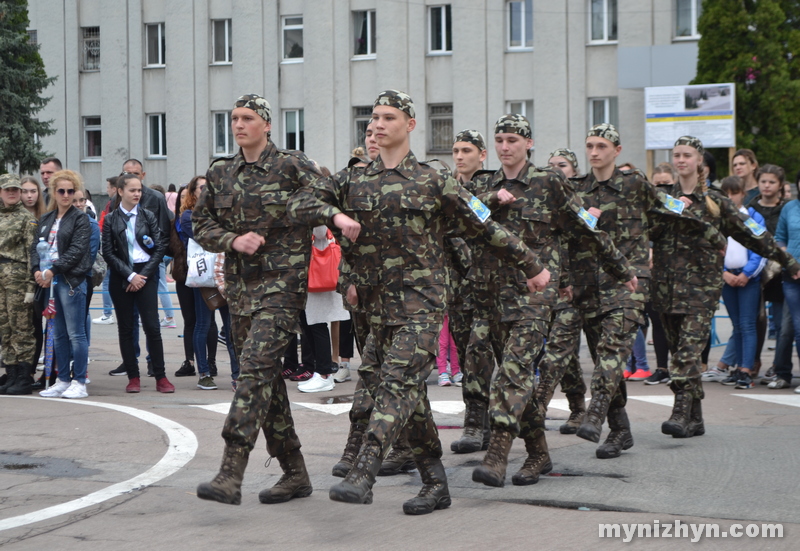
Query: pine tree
[22, 80]
[755, 44]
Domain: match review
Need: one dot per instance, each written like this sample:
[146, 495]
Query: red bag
[323, 273]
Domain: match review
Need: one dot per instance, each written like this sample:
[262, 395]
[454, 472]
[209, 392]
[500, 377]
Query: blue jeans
[107, 304]
[69, 339]
[163, 291]
[225, 314]
[783, 347]
[638, 358]
[791, 294]
[205, 318]
[743, 305]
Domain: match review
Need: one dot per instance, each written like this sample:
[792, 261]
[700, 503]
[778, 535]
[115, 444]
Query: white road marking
[780, 399]
[668, 400]
[333, 409]
[452, 407]
[181, 449]
[222, 408]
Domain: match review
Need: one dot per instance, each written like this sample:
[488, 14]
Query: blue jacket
[94, 241]
[788, 232]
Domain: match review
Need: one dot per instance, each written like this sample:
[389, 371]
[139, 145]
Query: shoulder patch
[589, 219]
[480, 210]
[675, 205]
[754, 227]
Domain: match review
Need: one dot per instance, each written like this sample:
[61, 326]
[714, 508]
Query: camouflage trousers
[361, 409]
[560, 363]
[399, 360]
[687, 336]
[610, 338]
[16, 318]
[261, 401]
[512, 387]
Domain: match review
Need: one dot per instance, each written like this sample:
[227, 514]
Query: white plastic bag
[200, 272]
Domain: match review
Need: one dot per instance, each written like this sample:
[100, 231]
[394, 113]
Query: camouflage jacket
[687, 267]
[18, 230]
[240, 198]
[546, 208]
[406, 213]
[629, 205]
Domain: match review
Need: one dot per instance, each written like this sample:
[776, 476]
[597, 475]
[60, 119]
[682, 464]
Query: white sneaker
[796, 391]
[75, 390]
[104, 320]
[316, 384]
[56, 390]
[714, 375]
[343, 374]
[168, 322]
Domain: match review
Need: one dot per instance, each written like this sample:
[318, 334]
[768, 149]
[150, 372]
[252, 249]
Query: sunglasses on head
[63, 191]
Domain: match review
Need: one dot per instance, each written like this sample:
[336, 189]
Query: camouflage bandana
[690, 141]
[568, 154]
[471, 136]
[513, 124]
[9, 181]
[257, 104]
[605, 130]
[398, 100]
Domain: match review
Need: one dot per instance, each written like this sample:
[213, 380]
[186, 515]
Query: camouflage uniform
[17, 234]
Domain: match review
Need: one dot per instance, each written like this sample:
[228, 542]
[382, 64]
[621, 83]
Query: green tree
[755, 44]
[22, 80]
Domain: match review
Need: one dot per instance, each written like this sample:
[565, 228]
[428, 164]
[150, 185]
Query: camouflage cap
[397, 99]
[605, 130]
[257, 104]
[9, 181]
[471, 136]
[513, 124]
[568, 154]
[690, 141]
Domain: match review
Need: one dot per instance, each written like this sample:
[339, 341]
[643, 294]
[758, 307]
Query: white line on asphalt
[452, 407]
[181, 450]
[780, 399]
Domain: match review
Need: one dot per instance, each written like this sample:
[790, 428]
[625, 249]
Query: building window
[603, 21]
[294, 134]
[603, 110]
[155, 45]
[221, 40]
[33, 37]
[523, 107]
[440, 123]
[687, 13]
[223, 135]
[293, 38]
[91, 49]
[520, 25]
[362, 116]
[92, 138]
[364, 33]
[157, 135]
[440, 36]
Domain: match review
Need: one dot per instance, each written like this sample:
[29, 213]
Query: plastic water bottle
[43, 250]
[148, 241]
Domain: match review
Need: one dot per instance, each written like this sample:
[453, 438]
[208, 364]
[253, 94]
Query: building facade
[155, 80]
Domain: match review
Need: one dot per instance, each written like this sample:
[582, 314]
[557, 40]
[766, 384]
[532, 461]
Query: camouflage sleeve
[574, 220]
[460, 255]
[30, 232]
[662, 208]
[315, 204]
[490, 199]
[208, 231]
[753, 235]
[564, 282]
[470, 218]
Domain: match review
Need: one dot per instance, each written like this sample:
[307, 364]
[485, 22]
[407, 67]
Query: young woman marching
[687, 280]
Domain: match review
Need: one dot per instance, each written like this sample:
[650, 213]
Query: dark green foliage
[756, 44]
[22, 80]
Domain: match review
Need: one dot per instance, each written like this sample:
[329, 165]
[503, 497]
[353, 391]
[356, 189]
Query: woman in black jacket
[66, 230]
[133, 248]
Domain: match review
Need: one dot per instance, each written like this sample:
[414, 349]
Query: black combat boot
[620, 437]
[696, 426]
[434, 493]
[592, 425]
[355, 438]
[577, 408]
[227, 485]
[294, 482]
[12, 372]
[537, 463]
[543, 396]
[24, 383]
[472, 439]
[357, 485]
[400, 458]
[678, 423]
[492, 471]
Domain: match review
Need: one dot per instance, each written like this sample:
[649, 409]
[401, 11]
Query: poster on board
[706, 111]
